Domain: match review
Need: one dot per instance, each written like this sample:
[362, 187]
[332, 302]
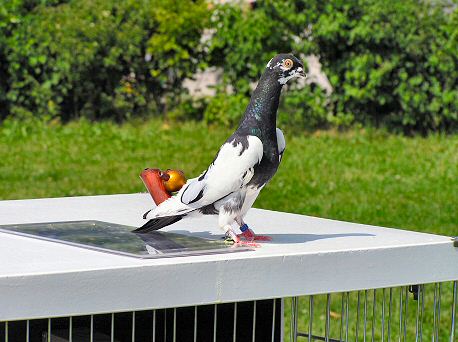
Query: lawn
[362, 176]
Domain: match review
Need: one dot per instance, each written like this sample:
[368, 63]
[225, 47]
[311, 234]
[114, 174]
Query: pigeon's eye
[287, 63]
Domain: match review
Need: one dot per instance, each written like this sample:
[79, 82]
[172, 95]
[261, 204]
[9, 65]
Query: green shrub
[102, 58]
[306, 108]
[393, 64]
[225, 109]
[11, 13]
[188, 108]
[390, 63]
[243, 42]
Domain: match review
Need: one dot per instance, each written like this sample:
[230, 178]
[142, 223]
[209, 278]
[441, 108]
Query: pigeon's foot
[249, 235]
[247, 244]
[255, 237]
[232, 237]
[262, 238]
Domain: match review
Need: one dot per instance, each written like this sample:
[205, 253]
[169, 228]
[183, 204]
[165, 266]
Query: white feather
[192, 191]
[268, 64]
[250, 196]
[281, 142]
[172, 206]
[231, 170]
[284, 79]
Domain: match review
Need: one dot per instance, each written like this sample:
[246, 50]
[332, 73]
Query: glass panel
[119, 239]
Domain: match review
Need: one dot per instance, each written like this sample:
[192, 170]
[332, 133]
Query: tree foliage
[390, 63]
[101, 58]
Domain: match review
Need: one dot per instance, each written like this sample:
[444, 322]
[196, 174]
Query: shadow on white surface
[278, 238]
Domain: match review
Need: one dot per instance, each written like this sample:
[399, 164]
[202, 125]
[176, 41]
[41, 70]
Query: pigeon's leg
[224, 220]
[249, 234]
[230, 235]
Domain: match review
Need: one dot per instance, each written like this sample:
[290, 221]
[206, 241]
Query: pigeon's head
[285, 67]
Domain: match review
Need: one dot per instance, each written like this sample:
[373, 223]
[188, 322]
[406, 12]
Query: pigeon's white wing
[232, 169]
[172, 206]
[281, 143]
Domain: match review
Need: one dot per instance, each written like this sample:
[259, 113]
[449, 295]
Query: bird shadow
[277, 238]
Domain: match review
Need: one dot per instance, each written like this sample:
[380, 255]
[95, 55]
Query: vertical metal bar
[311, 304]
[422, 310]
[195, 323]
[154, 326]
[234, 336]
[91, 332]
[401, 307]
[452, 329]
[328, 317]
[434, 313]
[342, 314]
[383, 314]
[6, 331]
[215, 321]
[390, 311]
[347, 318]
[274, 310]
[112, 327]
[406, 312]
[253, 337]
[419, 314]
[439, 298]
[417, 320]
[70, 330]
[174, 325]
[365, 315]
[133, 326]
[357, 317]
[49, 330]
[27, 331]
[165, 325]
[374, 305]
[293, 335]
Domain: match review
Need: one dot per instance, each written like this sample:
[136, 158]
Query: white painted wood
[308, 255]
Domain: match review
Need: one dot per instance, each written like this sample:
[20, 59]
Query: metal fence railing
[417, 313]
[404, 314]
[241, 321]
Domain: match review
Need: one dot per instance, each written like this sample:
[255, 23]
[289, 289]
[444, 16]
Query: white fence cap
[308, 255]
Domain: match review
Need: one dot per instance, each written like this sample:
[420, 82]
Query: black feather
[158, 223]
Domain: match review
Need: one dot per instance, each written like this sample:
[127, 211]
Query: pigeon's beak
[301, 73]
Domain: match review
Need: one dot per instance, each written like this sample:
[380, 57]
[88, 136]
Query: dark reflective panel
[119, 239]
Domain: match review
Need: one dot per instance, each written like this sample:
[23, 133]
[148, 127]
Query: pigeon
[244, 164]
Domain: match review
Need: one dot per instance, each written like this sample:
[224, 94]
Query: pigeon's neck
[261, 113]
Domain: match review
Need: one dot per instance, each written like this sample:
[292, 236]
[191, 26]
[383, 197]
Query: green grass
[362, 176]
[369, 177]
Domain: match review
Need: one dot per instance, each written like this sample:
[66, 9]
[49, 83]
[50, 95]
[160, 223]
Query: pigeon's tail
[158, 223]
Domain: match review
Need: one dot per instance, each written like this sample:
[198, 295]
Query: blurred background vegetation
[93, 91]
[391, 64]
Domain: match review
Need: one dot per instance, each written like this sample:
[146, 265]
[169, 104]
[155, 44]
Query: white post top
[308, 255]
